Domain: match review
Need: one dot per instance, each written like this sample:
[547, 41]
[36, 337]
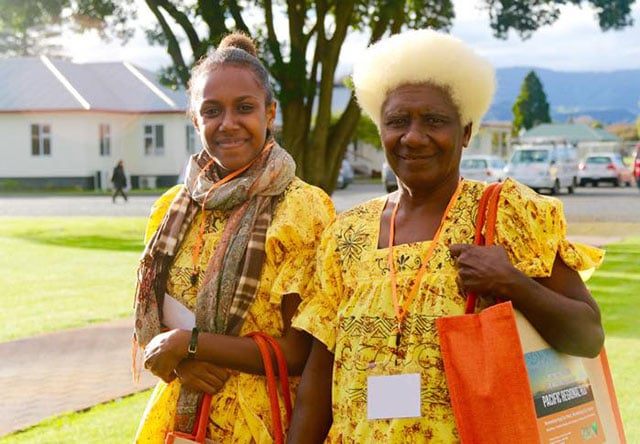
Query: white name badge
[393, 396]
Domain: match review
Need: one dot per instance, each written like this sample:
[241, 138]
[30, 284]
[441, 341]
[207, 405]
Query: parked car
[636, 164]
[482, 167]
[389, 179]
[345, 176]
[605, 167]
[545, 166]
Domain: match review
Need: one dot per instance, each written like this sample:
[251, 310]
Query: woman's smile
[230, 143]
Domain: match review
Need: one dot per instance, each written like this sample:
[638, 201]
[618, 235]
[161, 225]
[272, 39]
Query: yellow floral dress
[240, 412]
[352, 311]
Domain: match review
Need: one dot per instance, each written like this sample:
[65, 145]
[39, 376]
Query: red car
[636, 164]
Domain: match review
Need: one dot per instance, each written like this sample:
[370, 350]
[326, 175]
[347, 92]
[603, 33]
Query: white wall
[75, 144]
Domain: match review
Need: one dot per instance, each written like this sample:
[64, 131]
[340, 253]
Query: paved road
[602, 204]
[66, 371]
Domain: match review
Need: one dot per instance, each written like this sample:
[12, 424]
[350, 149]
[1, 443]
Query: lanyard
[401, 311]
[195, 253]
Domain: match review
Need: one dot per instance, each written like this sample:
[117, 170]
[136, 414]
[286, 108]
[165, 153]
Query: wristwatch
[193, 344]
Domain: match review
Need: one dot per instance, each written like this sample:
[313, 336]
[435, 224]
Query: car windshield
[473, 164]
[601, 160]
[530, 156]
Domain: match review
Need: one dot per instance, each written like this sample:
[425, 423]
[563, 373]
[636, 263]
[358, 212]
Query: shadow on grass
[92, 242]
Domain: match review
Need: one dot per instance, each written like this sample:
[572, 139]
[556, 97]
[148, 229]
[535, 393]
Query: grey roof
[571, 132]
[44, 84]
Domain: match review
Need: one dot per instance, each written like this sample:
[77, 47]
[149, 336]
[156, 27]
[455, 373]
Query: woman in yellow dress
[388, 268]
[228, 253]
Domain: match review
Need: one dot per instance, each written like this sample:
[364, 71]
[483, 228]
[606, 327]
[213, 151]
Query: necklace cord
[401, 311]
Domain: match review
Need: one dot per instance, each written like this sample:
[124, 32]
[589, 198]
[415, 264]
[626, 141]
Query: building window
[105, 139]
[40, 140]
[153, 140]
[192, 140]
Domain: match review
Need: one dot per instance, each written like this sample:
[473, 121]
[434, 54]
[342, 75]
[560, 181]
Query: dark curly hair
[236, 49]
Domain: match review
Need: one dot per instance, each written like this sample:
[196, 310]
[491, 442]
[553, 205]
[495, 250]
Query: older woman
[388, 268]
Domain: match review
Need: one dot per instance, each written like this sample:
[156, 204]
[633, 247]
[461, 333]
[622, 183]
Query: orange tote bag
[507, 385]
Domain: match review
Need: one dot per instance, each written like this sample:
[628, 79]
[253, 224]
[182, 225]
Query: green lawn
[93, 260]
[111, 423]
[616, 286]
[58, 273]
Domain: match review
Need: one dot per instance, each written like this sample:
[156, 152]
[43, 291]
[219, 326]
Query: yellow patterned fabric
[240, 412]
[352, 311]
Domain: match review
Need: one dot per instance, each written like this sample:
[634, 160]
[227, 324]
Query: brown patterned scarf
[231, 279]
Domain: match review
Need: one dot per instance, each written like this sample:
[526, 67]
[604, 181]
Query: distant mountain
[609, 97]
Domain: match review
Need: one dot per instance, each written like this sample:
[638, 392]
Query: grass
[98, 255]
[616, 287]
[59, 273]
[111, 423]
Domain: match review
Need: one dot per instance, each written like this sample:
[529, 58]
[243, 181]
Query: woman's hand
[165, 351]
[560, 306]
[481, 269]
[201, 376]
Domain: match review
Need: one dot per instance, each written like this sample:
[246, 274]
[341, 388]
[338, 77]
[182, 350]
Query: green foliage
[28, 27]
[367, 132]
[626, 132]
[526, 16]
[84, 267]
[531, 107]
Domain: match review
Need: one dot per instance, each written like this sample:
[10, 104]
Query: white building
[66, 125]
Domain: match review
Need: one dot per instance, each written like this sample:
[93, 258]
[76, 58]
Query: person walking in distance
[119, 181]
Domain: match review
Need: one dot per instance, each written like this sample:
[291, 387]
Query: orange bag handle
[264, 341]
[200, 427]
[487, 215]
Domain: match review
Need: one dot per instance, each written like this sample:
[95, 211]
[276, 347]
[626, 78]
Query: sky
[573, 43]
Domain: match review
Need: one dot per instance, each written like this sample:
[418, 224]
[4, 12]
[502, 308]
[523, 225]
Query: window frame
[41, 140]
[153, 140]
[104, 134]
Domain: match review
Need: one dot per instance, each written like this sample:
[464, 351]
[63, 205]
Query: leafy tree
[29, 27]
[303, 59]
[626, 131]
[302, 54]
[531, 107]
[367, 132]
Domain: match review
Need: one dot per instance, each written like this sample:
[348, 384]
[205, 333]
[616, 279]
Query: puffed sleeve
[532, 229]
[318, 315]
[293, 237]
[158, 210]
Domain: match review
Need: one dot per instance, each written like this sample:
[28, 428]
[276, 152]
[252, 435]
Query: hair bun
[239, 40]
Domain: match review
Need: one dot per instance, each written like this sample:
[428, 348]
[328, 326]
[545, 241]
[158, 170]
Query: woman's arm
[312, 416]
[560, 307]
[165, 352]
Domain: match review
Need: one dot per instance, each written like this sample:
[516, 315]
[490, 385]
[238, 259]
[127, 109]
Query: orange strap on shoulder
[486, 218]
[265, 344]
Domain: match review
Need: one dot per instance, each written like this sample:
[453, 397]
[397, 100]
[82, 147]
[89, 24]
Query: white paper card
[176, 315]
[393, 396]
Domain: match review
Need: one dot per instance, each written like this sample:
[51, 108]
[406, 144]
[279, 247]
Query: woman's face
[231, 116]
[422, 136]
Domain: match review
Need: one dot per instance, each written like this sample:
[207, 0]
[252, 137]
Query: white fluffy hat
[424, 56]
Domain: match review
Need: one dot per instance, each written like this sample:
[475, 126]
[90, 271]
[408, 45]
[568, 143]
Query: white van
[545, 166]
